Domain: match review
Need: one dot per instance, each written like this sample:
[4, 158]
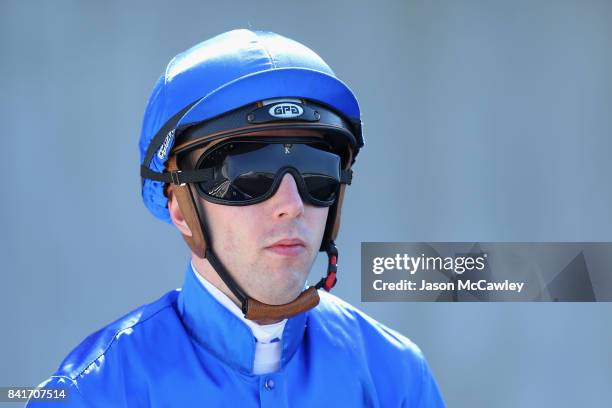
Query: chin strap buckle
[329, 281]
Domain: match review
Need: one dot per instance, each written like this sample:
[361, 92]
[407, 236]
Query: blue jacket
[188, 350]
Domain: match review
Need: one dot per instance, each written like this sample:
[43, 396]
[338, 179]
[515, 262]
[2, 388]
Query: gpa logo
[286, 110]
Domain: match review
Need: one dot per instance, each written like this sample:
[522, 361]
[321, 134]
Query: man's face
[246, 240]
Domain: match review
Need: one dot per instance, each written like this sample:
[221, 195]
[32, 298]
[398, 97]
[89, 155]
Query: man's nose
[287, 201]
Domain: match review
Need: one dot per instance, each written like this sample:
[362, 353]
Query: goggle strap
[178, 177]
[162, 133]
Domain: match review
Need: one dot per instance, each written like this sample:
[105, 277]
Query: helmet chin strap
[259, 311]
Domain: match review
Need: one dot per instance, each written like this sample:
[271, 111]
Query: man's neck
[205, 270]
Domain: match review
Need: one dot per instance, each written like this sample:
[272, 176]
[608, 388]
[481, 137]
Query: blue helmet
[226, 72]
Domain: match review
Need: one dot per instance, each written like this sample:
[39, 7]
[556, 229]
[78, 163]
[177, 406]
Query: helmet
[217, 90]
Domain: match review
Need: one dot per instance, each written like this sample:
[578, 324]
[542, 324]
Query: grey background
[485, 121]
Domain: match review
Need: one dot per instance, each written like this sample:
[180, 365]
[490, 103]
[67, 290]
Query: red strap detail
[333, 260]
[330, 281]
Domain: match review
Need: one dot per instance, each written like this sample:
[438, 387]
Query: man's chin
[281, 299]
[281, 291]
[281, 264]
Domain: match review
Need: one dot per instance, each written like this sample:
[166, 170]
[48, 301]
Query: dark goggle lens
[249, 171]
[253, 185]
[321, 187]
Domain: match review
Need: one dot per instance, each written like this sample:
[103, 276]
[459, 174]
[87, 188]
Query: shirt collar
[263, 333]
[225, 334]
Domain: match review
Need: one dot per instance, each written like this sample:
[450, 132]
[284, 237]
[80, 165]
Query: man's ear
[176, 214]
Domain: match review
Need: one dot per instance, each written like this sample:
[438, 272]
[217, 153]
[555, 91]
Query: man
[247, 146]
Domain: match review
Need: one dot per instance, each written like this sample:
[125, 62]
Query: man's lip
[288, 247]
[288, 242]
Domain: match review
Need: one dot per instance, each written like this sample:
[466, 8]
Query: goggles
[314, 177]
[249, 171]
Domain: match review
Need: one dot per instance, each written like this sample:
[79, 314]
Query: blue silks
[188, 350]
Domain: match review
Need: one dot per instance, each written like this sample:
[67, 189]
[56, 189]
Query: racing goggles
[249, 171]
